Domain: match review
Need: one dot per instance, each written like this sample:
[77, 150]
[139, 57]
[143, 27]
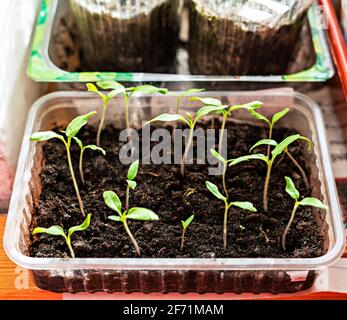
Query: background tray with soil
[161, 188]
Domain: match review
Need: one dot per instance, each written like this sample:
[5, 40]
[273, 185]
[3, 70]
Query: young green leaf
[277, 116]
[208, 109]
[112, 201]
[141, 214]
[149, 89]
[79, 142]
[76, 124]
[115, 218]
[83, 226]
[259, 116]
[54, 231]
[207, 101]
[133, 169]
[185, 224]
[284, 144]
[313, 202]
[191, 91]
[245, 205]
[95, 148]
[264, 142]
[217, 155]
[110, 84]
[45, 135]
[248, 106]
[291, 189]
[214, 190]
[257, 156]
[166, 117]
[132, 184]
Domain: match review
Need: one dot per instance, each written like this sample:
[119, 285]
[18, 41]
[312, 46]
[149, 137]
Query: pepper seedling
[226, 112]
[59, 231]
[71, 131]
[131, 184]
[128, 92]
[113, 202]
[189, 120]
[106, 98]
[82, 149]
[245, 205]
[276, 117]
[309, 201]
[185, 225]
[279, 149]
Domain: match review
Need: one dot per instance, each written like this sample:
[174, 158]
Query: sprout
[279, 149]
[83, 148]
[112, 201]
[225, 165]
[59, 231]
[190, 121]
[245, 205]
[309, 201]
[71, 131]
[183, 94]
[105, 99]
[276, 117]
[128, 92]
[226, 111]
[131, 184]
[185, 225]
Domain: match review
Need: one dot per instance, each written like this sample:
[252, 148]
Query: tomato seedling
[309, 201]
[70, 132]
[59, 231]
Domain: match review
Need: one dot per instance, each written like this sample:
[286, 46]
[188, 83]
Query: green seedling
[245, 205]
[71, 131]
[106, 98]
[226, 112]
[128, 92]
[279, 149]
[131, 184]
[185, 225]
[113, 202]
[309, 201]
[189, 120]
[59, 231]
[275, 118]
[82, 149]
[183, 94]
[225, 162]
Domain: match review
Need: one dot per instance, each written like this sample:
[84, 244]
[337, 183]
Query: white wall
[17, 92]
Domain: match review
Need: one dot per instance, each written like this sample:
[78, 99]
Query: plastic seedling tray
[172, 275]
[42, 68]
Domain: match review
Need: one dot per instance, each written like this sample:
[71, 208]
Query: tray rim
[41, 68]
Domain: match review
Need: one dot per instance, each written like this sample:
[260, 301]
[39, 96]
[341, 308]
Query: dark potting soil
[161, 189]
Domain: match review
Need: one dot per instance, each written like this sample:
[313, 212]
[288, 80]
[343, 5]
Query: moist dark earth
[162, 189]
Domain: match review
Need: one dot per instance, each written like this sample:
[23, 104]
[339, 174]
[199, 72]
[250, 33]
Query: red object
[337, 42]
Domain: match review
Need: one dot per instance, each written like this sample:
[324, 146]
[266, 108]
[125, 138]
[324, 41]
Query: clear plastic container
[128, 35]
[55, 57]
[165, 275]
[246, 37]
